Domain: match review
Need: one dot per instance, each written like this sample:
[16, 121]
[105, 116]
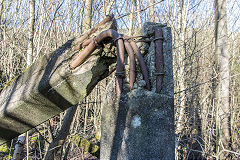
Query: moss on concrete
[86, 145]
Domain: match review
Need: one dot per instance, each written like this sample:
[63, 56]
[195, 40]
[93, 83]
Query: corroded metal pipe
[94, 29]
[83, 44]
[120, 74]
[159, 58]
[110, 33]
[82, 56]
[132, 62]
[141, 63]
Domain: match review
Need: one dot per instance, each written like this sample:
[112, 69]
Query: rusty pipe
[141, 63]
[94, 29]
[110, 33]
[83, 44]
[120, 74]
[159, 59]
[132, 62]
[82, 56]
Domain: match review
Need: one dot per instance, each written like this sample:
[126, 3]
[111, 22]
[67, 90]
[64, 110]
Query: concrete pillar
[49, 86]
[140, 124]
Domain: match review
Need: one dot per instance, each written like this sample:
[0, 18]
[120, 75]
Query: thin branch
[199, 84]
[139, 10]
[41, 135]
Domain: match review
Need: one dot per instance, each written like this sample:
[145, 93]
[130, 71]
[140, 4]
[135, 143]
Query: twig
[139, 10]
[199, 84]
[41, 135]
[194, 86]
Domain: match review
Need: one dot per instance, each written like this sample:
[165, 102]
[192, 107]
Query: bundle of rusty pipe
[122, 42]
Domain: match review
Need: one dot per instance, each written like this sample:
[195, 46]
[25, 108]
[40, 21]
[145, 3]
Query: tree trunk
[139, 14]
[152, 11]
[58, 142]
[182, 9]
[88, 15]
[182, 20]
[21, 139]
[31, 32]
[19, 147]
[107, 4]
[131, 18]
[222, 57]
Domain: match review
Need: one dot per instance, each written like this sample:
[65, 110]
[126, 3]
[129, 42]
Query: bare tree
[152, 10]
[139, 14]
[88, 14]
[107, 5]
[132, 17]
[19, 147]
[31, 32]
[22, 138]
[181, 32]
[222, 54]
[59, 140]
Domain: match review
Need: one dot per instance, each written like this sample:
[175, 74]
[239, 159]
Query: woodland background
[206, 50]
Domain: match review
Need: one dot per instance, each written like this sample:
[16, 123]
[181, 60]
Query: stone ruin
[136, 123]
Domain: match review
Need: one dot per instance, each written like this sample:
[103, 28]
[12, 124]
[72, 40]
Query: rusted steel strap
[120, 74]
[141, 63]
[159, 58]
[133, 37]
[132, 62]
[157, 38]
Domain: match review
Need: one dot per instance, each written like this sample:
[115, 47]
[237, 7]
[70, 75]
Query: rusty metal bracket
[158, 38]
[159, 58]
[120, 74]
[115, 40]
[158, 73]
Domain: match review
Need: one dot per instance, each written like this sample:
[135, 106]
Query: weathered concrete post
[51, 85]
[140, 124]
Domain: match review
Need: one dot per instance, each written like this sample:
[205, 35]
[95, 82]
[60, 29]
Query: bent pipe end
[141, 63]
